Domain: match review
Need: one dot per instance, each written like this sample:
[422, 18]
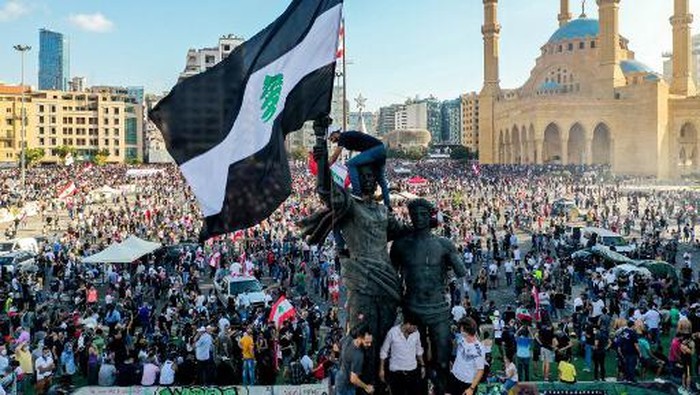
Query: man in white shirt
[470, 361]
[203, 347]
[597, 307]
[44, 367]
[468, 260]
[651, 319]
[509, 267]
[403, 348]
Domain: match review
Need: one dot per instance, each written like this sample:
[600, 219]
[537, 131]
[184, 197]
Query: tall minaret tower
[611, 75]
[487, 132]
[682, 83]
[564, 14]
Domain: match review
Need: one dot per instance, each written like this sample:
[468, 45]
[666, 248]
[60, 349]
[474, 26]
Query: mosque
[588, 101]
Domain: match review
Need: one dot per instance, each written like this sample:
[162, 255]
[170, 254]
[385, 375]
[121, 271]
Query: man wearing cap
[203, 343]
[371, 152]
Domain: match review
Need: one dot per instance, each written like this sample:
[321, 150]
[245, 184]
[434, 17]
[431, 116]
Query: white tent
[127, 251]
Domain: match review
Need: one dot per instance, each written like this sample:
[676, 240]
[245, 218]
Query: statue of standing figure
[372, 283]
[424, 261]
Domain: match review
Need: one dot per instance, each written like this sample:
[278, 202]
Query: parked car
[606, 239]
[244, 291]
[23, 244]
[12, 262]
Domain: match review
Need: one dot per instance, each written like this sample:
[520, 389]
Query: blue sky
[399, 48]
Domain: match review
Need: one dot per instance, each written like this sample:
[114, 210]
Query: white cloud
[96, 22]
[12, 9]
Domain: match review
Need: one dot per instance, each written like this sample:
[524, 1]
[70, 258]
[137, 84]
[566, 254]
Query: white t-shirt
[167, 373]
[597, 306]
[41, 363]
[469, 360]
[510, 369]
[493, 269]
[651, 319]
[458, 312]
[509, 266]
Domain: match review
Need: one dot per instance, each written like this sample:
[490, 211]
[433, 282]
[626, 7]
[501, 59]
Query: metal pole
[23, 163]
[345, 91]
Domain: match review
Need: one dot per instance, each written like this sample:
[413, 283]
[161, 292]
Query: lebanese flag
[340, 53]
[68, 190]
[281, 311]
[313, 166]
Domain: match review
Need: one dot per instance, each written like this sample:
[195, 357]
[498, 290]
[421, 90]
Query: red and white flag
[68, 190]
[536, 296]
[281, 311]
[340, 53]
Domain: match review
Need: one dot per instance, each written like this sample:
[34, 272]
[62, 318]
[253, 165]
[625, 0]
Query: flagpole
[345, 92]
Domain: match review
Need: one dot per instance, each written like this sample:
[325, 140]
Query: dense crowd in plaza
[527, 311]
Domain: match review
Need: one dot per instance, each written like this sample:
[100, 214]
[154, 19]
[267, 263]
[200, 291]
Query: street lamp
[22, 49]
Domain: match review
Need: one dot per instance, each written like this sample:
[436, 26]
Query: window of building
[41, 141]
[209, 59]
[581, 45]
[592, 44]
[227, 47]
[116, 142]
[116, 121]
[106, 110]
[41, 130]
[53, 141]
[106, 121]
[559, 49]
[571, 46]
[116, 111]
[106, 141]
[41, 108]
[116, 151]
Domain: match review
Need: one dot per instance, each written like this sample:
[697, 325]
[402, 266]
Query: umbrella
[627, 268]
[417, 180]
[659, 269]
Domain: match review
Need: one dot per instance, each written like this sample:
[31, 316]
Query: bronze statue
[424, 261]
[372, 283]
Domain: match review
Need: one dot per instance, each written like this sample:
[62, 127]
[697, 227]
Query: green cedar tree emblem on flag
[272, 87]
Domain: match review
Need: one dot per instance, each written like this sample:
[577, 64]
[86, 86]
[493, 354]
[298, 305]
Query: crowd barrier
[582, 388]
[306, 389]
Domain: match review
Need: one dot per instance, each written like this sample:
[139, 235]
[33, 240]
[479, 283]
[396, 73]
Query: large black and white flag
[226, 127]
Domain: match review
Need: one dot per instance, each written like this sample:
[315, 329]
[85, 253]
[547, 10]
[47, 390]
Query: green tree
[100, 157]
[34, 155]
[460, 153]
[299, 153]
[64, 150]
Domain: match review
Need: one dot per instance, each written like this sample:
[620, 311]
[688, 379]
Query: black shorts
[457, 387]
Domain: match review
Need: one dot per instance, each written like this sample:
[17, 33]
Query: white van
[244, 291]
[23, 244]
[606, 239]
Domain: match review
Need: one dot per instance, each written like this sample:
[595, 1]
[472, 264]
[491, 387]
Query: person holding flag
[226, 127]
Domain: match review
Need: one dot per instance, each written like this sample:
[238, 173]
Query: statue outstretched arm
[396, 228]
[317, 226]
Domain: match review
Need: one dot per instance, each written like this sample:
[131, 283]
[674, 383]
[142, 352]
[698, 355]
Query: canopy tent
[603, 253]
[106, 189]
[127, 251]
[417, 180]
[627, 268]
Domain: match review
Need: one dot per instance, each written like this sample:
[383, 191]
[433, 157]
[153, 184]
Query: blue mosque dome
[576, 29]
[634, 66]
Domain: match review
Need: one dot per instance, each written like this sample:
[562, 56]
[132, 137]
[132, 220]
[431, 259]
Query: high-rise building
[386, 120]
[424, 114]
[100, 119]
[451, 111]
[54, 60]
[199, 60]
[77, 84]
[470, 121]
[154, 144]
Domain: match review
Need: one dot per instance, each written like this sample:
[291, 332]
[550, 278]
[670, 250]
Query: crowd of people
[526, 311]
